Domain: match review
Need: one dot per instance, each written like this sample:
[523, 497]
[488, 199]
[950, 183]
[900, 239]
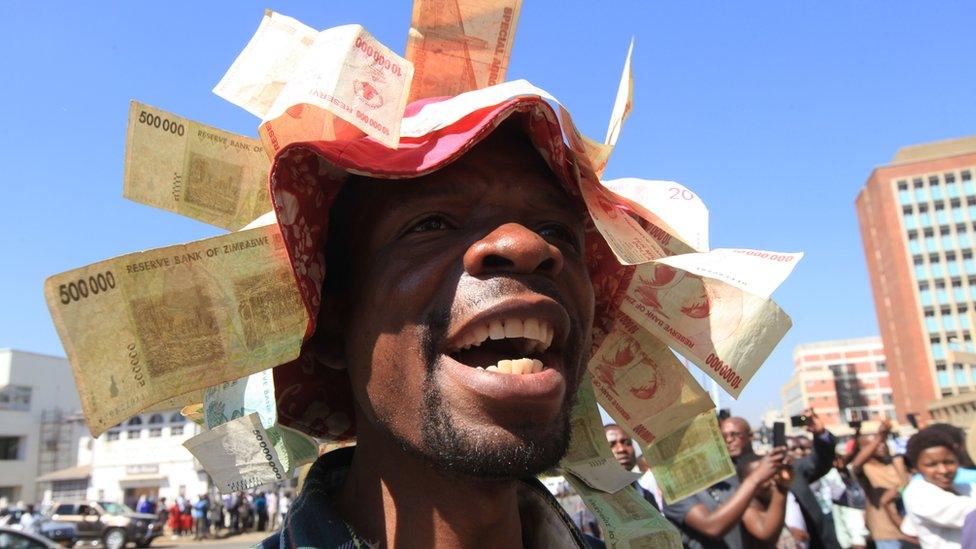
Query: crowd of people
[814, 493]
[205, 517]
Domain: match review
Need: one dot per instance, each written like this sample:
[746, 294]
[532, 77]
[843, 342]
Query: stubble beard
[471, 451]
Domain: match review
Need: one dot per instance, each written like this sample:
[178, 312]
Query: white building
[145, 456]
[38, 427]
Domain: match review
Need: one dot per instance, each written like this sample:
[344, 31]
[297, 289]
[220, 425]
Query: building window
[155, 432]
[917, 183]
[176, 430]
[886, 398]
[156, 419]
[949, 177]
[903, 185]
[933, 180]
[112, 435]
[15, 398]
[881, 367]
[966, 176]
[906, 210]
[134, 433]
[10, 448]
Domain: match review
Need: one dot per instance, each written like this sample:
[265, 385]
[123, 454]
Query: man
[811, 460]
[712, 518]
[436, 285]
[799, 447]
[738, 438]
[878, 472]
[623, 450]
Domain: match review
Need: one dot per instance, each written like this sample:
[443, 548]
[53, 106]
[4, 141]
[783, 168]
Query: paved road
[234, 542]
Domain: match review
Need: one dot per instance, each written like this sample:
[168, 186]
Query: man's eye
[560, 232]
[434, 222]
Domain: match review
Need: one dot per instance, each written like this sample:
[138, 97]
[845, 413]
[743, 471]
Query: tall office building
[918, 224]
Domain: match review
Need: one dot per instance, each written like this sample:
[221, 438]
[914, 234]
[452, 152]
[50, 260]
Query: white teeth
[480, 335]
[496, 330]
[505, 366]
[514, 328]
[492, 368]
[538, 333]
[537, 366]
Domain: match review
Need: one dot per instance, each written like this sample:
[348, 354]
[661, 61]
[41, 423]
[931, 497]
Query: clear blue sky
[774, 112]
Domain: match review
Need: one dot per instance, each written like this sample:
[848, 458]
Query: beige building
[39, 423]
[841, 380]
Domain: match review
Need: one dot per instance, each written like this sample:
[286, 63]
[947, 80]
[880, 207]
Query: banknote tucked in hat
[200, 325]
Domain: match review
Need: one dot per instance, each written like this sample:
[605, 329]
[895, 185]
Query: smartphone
[855, 424]
[913, 419]
[779, 434]
[798, 421]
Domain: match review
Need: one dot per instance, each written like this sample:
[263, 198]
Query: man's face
[799, 447]
[622, 447]
[737, 435]
[461, 279]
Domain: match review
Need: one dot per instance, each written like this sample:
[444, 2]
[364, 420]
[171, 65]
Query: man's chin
[496, 452]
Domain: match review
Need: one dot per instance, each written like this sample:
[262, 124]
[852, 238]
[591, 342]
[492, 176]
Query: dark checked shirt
[312, 521]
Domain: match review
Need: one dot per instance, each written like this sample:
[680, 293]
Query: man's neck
[398, 499]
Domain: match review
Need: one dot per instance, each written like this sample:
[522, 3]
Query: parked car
[62, 533]
[113, 523]
[17, 539]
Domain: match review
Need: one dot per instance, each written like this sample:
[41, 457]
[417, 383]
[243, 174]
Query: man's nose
[513, 248]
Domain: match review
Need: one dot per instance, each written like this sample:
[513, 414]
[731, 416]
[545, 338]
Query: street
[234, 542]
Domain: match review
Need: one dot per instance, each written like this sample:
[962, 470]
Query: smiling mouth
[512, 346]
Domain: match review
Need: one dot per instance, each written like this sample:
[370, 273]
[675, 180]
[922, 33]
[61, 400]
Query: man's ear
[327, 345]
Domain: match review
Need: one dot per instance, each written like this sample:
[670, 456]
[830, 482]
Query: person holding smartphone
[878, 472]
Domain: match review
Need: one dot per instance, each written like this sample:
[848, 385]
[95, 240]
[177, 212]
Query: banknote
[460, 45]
[678, 215]
[624, 101]
[266, 63]
[724, 330]
[150, 326]
[627, 520]
[177, 402]
[690, 459]
[589, 456]
[182, 166]
[630, 243]
[640, 382]
[346, 83]
[758, 272]
[238, 455]
[255, 394]
[236, 398]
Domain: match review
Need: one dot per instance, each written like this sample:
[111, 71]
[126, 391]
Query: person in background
[738, 438]
[162, 512]
[234, 510]
[145, 505]
[216, 518]
[764, 518]
[175, 520]
[840, 490]
[808, 466]
[199, 513]
[966, 473]
[936, 506]
[261, 510]
[283, 505]
[29, 520]
[272, 498]
[622, 447]
[712, 518]
[877, 472]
